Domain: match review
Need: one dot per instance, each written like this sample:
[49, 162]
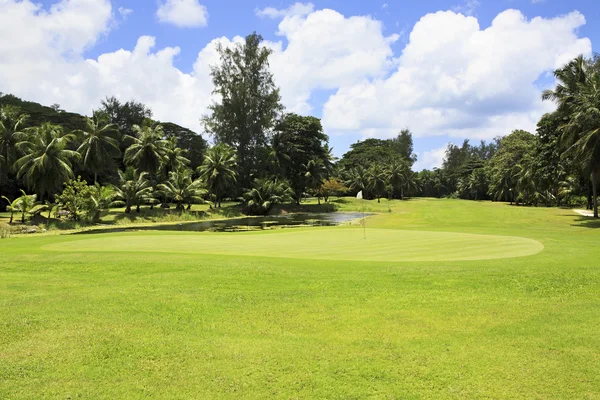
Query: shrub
[4, 230]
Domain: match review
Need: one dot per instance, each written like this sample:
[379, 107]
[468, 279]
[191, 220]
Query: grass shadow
[587, 222]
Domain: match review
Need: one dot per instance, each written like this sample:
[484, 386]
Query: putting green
[326, 244]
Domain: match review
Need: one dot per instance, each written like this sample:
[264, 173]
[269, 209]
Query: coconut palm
[11, 132]
[175, 158]
[376, 181]
[316, 173]
[98, 144]
[356, 179]
[26, 203]
[148, 149]
[132, 190]
[578, 96]
[582, 132]
[182, 189]
[396, 175]
[266, 193]
[47, 162]
[13, 206]
[218, 171]
[100, 200]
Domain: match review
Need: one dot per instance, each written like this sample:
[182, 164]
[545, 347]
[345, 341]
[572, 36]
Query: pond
[245, 224]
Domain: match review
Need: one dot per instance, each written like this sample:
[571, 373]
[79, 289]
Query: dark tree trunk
[595, 193]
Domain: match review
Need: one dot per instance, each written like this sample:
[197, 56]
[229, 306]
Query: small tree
[265, 194]
[75, 198]
[332, 187]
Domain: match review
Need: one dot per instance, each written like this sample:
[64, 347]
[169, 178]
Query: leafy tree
[47, 161]
[182, 189]
[511, 151]
[299, 153]
[124, 115]
[249, 103]
[219, 171]
[75, 197]
[332, 187]
[266, 193]
[98, 144]
[403, 147]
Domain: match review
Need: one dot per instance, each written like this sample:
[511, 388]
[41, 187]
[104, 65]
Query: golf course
[443, 298]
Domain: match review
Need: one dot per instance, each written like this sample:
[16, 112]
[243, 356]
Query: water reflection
[244, 224]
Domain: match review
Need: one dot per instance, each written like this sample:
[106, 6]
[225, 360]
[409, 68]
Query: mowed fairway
[444, 299]
[318, 243]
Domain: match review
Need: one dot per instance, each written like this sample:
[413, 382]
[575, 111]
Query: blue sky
[460, 77]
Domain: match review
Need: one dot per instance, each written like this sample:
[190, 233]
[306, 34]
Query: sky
[448, 70]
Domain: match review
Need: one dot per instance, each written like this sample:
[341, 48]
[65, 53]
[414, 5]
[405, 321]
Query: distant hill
[39, 114]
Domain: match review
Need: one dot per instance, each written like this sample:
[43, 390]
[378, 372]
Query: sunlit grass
[136, 323]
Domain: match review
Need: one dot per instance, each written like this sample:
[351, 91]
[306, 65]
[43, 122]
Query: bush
[4, 230]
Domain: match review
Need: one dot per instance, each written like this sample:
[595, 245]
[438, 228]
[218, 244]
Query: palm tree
[26, 203]
[396, 175]
[356, 179]
[316, 173]
[13, 206]
[148, 149]
[101, 199]
[265, 194]
[47, 162]
[175, 156]
[578, 96]
[582, 132]
[133, 191]
[182, 189]
[376, 180]
[98, 144]
[11, 133]
[219, 170]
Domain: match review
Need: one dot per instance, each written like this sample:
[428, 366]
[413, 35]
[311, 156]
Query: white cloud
[125, 12]
[430, 159]
[456, 79]
[183, 13]
[453, 78]
[326, 50]
[468, 7]
[297, 9]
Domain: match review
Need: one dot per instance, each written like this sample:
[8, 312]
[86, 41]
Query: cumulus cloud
[183, 13]
[326, 50]
[297, 9]
[457, 79]
[453, 78]
[125, 12]
[430, 159]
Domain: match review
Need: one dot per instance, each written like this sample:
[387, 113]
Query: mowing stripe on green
[326, 244]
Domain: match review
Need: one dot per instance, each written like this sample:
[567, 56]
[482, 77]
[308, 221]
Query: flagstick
[364, 221]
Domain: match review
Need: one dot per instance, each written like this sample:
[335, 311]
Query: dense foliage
[263, 156]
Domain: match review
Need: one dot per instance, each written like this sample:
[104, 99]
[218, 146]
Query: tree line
[558, 165]
[262, 155]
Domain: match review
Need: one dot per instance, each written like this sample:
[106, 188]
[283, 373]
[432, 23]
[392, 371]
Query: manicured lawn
[311, 313]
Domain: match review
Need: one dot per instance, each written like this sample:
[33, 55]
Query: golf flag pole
[360, 196]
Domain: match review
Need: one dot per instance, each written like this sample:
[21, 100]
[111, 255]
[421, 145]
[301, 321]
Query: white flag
[359, 195]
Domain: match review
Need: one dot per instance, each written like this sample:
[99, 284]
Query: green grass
[119, 316]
